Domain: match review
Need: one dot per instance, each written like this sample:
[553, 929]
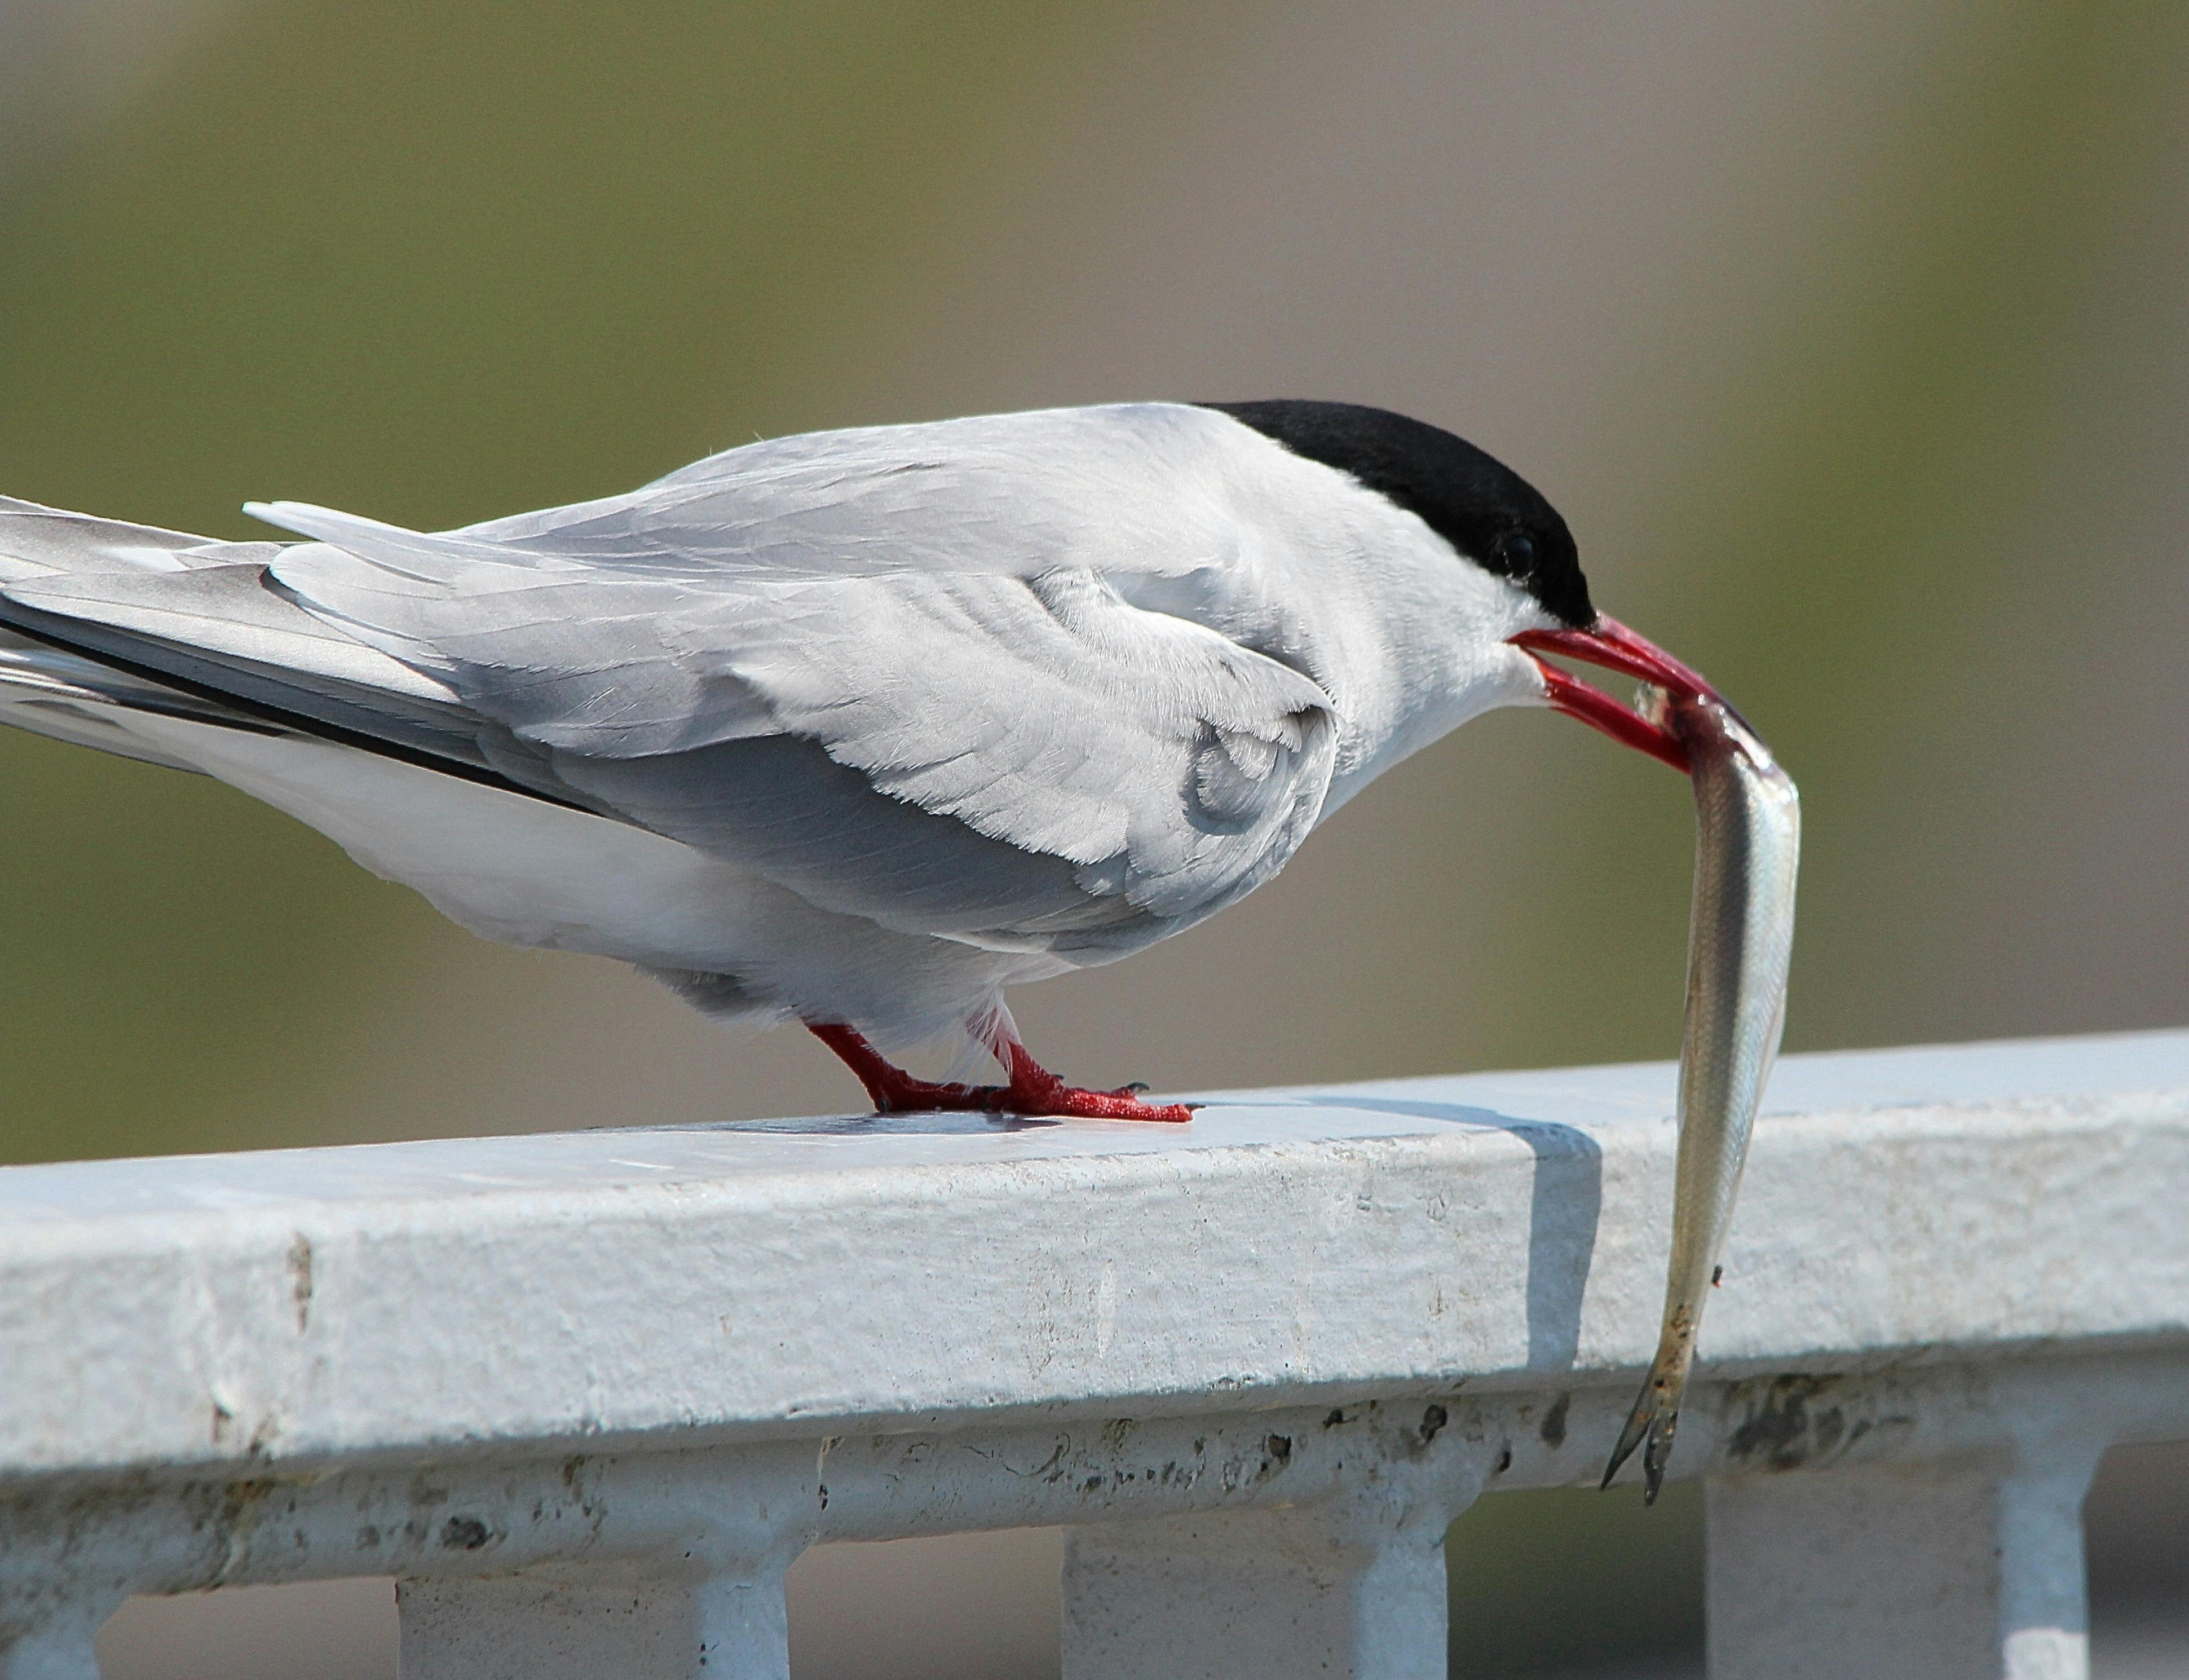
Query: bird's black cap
[1475, 502]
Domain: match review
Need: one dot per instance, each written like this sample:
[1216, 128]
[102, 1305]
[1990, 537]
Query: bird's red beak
[1609, 643]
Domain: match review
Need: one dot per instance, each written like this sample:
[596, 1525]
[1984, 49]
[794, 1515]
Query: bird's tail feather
[52, 691]
[200, 621]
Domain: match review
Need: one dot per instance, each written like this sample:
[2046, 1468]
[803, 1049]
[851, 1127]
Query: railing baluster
[596, 1624]
[1957, 1571]
[59, 1651]
[1259, 1595]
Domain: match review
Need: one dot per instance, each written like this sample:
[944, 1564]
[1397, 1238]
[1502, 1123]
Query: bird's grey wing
[1128, 488]
[1026, 762]
[40, 541]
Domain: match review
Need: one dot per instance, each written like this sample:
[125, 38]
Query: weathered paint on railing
[587, 1394]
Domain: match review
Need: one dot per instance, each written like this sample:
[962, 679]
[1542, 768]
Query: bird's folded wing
[884, 668]
[1132, 487]
[40, 541]
[1020, 761]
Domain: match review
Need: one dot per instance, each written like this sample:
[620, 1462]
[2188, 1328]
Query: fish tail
[1638, 1420]
[1656, 1413]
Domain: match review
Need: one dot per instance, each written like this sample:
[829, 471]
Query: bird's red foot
[1032, 1088]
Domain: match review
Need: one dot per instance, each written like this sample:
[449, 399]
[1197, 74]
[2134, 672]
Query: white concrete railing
[586, 1394]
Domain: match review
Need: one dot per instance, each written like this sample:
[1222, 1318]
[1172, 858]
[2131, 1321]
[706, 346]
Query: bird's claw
[1031, 1089]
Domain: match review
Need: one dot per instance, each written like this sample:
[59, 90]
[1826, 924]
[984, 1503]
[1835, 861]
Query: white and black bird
[859, 727]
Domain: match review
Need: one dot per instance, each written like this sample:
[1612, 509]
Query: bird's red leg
[893, 1090]
[1032, 1088]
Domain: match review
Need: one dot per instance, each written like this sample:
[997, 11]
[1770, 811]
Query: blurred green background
[1850, 337]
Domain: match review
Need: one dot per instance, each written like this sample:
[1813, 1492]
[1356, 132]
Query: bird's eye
[1519, 549]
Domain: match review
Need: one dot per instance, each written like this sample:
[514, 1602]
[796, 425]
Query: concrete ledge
[654, 1287]
[586, 1395]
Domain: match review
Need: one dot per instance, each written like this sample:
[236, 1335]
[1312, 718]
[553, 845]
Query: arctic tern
[858, 727]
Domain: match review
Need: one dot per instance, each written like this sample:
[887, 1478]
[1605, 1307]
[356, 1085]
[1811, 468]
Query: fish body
[1741, 937]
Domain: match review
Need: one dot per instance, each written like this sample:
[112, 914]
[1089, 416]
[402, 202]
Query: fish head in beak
[1609, 643]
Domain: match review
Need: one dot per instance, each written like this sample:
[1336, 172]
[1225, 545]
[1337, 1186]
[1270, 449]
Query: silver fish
[1740, 937]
